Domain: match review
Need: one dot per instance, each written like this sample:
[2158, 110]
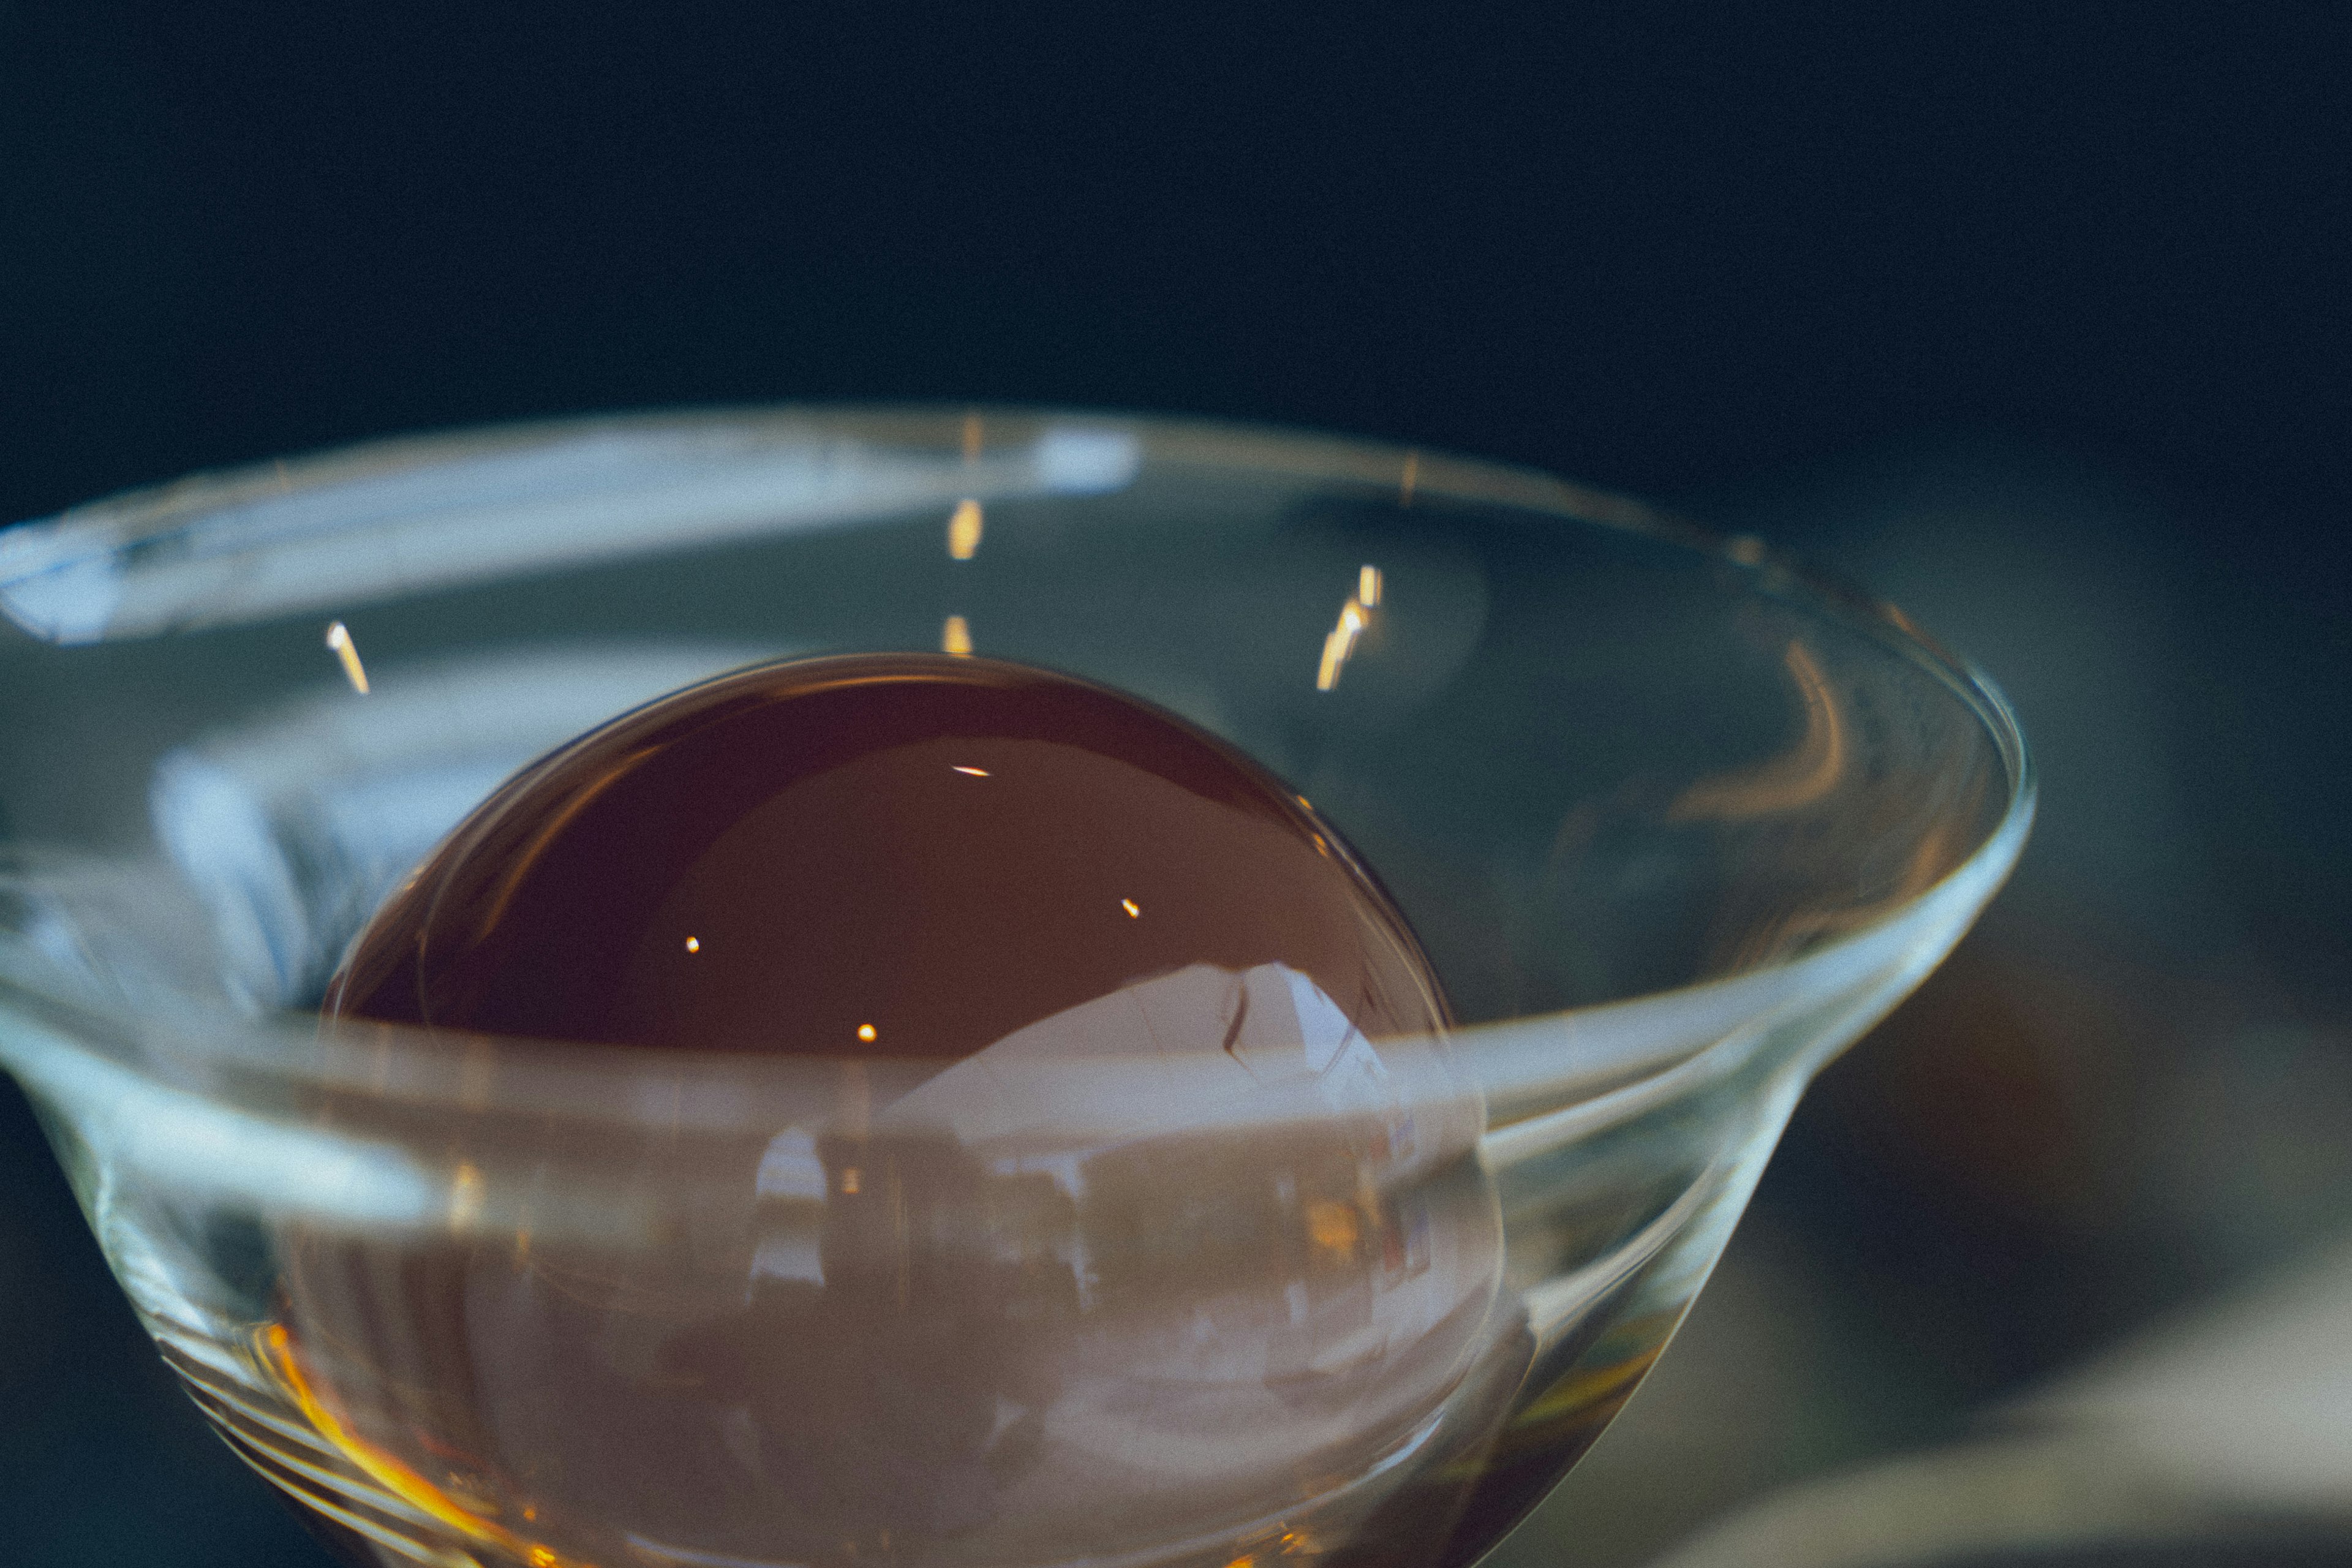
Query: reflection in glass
[1673, 825]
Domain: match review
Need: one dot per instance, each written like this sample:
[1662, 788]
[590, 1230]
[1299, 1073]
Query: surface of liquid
[892, 856]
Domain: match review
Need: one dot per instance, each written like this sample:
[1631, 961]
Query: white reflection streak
[1146, 1060]
[170, 1139]
[243, 548]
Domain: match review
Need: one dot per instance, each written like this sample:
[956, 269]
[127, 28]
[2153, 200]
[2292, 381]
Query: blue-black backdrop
[2036, 311]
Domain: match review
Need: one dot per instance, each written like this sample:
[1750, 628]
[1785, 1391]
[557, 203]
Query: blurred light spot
[955, 638]
[976, 773]
[850, 1180]
[1133, 910]
[971, 438]
[694, 944]
[963, 529]
[1331, 1226]
[1412, 474]
[1367, 586]
[339, 638]
[865, 1033]
[465, 1196]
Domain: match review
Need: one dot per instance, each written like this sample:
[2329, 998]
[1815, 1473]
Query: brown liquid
[1206, 1323]
[918, 857]
[900, 855]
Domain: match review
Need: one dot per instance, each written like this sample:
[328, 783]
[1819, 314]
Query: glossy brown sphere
[898, 855]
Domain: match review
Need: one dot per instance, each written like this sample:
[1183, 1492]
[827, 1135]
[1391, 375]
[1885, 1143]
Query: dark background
[2032, 316]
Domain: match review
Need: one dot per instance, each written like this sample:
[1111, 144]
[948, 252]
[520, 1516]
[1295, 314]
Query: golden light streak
[955, 638]
[1335, 651]
[1134, 910]
[1367, 586]
[392, 1474]
[975, 773]
[1341, 643]
[339, 638]
[963, 529]
[865, 1033]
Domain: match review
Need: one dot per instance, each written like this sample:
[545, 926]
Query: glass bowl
[1673, 821]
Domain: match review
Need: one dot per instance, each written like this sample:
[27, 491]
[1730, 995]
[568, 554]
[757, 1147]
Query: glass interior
[1672, 822]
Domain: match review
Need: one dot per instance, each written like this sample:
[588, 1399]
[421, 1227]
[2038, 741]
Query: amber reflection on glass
[473, 1519]
[1796, 778]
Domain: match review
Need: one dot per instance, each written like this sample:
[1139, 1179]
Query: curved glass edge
[62, 578]
[1534, 1080]
[57, 582]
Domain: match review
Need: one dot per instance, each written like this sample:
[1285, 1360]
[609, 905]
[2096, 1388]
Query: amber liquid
[916, 859]
[902, 855]
[1448, 1517]
[1456, 1512]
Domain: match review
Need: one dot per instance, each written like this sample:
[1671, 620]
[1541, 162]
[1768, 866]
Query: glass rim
[137, 518]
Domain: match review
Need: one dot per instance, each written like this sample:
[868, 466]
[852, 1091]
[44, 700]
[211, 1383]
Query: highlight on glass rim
[846, 987]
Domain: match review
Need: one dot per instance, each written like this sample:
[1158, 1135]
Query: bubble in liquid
[1158, 1233]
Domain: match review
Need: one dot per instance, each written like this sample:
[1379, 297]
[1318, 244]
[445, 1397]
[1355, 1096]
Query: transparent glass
[1674, 822]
